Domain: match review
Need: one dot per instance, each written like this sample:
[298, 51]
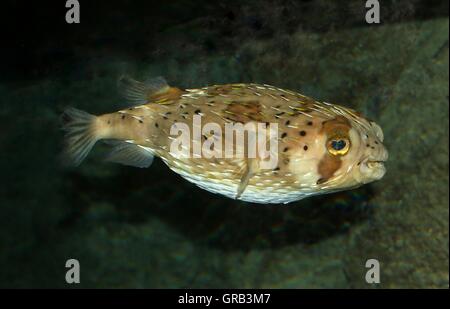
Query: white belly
[252, 194]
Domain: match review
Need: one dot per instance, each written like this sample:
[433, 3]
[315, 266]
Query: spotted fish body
[307, 163]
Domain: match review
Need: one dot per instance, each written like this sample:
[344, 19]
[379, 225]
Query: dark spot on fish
[372, 147]
[310, 123]
[267, 124]
[156, 125]
[376, 142]
[165, 117]
[168, 113]
[130, 109]
[277, 168]
[285, 149]
[123, 116]
[109, 121]
[368, 145]
[288, 122]
[140, 121]
[321, 180]
[302, 133]
[305, 147]
[283, 135]
[282, 95]
[278, 106]
[197, 111]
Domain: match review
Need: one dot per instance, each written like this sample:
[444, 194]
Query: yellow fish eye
[338, 145]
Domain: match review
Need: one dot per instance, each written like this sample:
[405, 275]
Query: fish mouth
[372, 169]
[375, 163]
[377, 160]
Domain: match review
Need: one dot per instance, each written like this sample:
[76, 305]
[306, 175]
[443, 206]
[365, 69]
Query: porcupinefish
[319, 147]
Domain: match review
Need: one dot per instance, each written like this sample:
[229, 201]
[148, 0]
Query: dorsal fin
[136, 92]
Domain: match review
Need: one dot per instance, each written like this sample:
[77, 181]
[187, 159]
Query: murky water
[132, 227]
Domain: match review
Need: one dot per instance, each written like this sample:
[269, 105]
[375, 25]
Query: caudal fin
[80, 135]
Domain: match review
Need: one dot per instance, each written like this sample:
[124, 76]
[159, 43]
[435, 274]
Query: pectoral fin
[130, 154]
[250, 169]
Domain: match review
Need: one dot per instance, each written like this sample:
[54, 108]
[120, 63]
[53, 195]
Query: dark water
[133, 227]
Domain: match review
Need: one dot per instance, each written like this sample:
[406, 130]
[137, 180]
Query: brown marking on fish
[244, 111]
[222, 89]
[328, 165]
[172, 93]
[338, 125]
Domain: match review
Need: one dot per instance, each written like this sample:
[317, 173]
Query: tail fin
[80, 135]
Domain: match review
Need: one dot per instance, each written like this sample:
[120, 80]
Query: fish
[303, 147]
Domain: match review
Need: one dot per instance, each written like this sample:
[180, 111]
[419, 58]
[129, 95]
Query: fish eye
[338, 146]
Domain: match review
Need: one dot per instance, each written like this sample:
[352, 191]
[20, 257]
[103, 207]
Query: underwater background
[149, 228]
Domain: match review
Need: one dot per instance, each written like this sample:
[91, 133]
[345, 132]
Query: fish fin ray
[130, 154]
[80, 135]
[137, 93]
[248, 172]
